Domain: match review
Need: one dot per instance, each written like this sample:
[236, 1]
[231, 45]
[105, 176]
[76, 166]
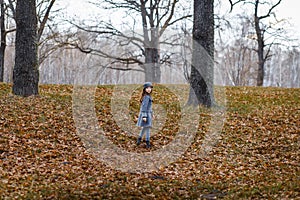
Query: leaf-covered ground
[257, 156]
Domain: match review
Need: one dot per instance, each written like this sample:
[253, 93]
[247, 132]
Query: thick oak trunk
[202, 69]
[25, 74]
[152, 65]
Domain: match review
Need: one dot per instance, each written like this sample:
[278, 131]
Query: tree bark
[3, 40]
[202, 69]
[152, 65]
[25, 74]
[260, 48]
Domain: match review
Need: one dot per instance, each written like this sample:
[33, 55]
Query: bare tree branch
[155, 16]
[166, 24]
[45, 18]
[126, 69]
[175, 21]
[270, 10]
[129, 60]
[234, 3]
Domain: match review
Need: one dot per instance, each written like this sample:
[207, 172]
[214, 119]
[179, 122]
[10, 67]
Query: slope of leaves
[257, 157]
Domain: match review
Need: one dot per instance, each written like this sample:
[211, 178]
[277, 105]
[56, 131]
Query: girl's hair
[144, 93]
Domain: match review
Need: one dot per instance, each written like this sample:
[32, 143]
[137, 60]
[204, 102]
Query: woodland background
[61, 54]
[255, 156]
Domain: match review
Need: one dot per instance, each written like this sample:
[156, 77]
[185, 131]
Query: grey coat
[145, 111]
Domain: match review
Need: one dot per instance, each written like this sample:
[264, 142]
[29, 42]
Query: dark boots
[148, 144]
[139, 141]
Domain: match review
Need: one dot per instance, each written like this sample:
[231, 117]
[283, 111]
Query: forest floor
[256, 155]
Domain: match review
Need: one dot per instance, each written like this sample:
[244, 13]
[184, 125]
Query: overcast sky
[288, 9]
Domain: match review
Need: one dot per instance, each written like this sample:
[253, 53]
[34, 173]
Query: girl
[145, 115]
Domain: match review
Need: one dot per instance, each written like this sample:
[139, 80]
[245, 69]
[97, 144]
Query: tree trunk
[261, 61]
[151, 46]
[3, 40]
[25, 74]
[260, 53]
[152, 65]
[202, 69]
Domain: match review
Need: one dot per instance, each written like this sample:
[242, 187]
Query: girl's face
[148, 90]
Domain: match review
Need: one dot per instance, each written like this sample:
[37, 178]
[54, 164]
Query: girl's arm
[144, 105]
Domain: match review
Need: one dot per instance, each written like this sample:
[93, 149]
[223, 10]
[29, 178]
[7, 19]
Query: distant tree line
[146, 50]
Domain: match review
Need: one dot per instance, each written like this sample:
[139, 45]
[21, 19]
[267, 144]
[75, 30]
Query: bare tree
[202, 69]
[3, 18]
[153, 18]
[26, 75]
[260, 30]
[43, 7]
[263, 9]
[3, 39]
[236, 51]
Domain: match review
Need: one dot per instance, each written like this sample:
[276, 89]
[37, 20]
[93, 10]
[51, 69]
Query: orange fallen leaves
[258, 156]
